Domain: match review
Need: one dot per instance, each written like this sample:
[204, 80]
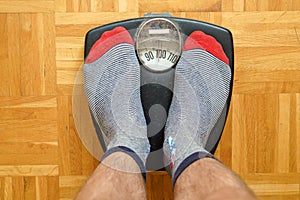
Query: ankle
[124, 160]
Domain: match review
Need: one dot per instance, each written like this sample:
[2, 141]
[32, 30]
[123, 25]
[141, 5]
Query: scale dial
[158, 44]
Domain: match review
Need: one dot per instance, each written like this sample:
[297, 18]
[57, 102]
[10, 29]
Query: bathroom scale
[159, 39]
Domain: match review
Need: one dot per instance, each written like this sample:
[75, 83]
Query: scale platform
[156, 87]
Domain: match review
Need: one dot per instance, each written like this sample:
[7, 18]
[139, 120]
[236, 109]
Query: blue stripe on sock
[188, 161]
[129, 152]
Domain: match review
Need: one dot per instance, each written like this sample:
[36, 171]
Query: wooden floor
[41, 49]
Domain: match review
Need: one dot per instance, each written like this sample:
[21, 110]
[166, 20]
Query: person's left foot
[112, 85]
[201, 89]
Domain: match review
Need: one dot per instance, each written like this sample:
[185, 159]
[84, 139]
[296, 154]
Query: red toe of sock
[198, 39]
[108, 40]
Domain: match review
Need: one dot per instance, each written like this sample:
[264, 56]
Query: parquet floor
[41, 48]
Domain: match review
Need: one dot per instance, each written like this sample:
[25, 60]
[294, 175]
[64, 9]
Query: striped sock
[201, 89]
[112, 85]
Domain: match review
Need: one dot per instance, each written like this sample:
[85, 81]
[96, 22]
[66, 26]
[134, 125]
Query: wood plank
[41, 187]
[28, 148]
[28, 131]
[63, 134]
[266, 131]
[29, 159]
[267, 18]
[234, 5]
[30, 188]
[210, 17]
[275, 185]
[13, 24]
[266, 87]
[74, 30]
[18, 183]
[28, 102]
[283, 137]
[252, 108]
[273, 178]
[293, 147]
[47, 187]
[28, 113]
[10, 52]
[8, 189]
[298, 130]
[70, 185]
[37, 54]
[78, 6]
[225, 144]
[63, 90]
[4, 55]
[68, 193]
[89, 160]
[92, 18]
[267, 76]
[52, 187]
[128, 6]
[71, 147]
[70, 65]
[279, 197]
[238, 134]
[105, 6]
[28, 6]
[275, 189]
[75, 149]
[30, 71]
[157, 185]
[69, 42]
[284, 35]
[267, 59]
[2, 183]
[72, 54]
[69, 181]
[178, 6]
[67, 77]
[48, 54]
[60, 5]
[28, 170]
[271, 5]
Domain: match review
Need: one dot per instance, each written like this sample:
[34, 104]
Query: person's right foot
[112, 85]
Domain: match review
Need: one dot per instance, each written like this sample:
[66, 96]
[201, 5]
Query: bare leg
[210, 180]
[115, 178]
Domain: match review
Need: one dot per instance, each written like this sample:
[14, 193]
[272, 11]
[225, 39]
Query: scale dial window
[158, 44]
